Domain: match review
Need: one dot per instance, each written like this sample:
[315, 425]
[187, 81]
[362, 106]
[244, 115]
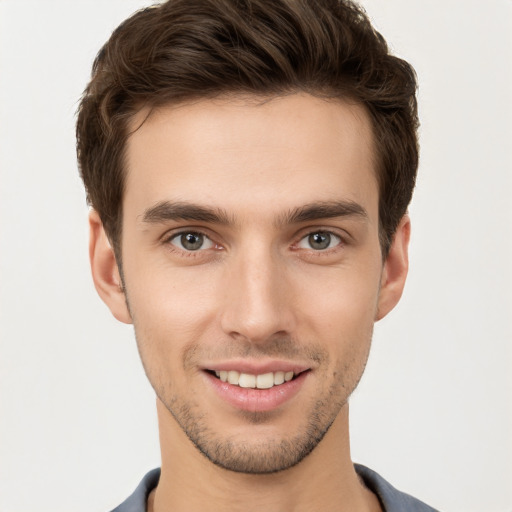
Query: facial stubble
[271, 454]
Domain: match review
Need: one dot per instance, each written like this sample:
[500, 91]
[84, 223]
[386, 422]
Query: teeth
[278, 378]
[265, 381]
[233, 377]
[246, 380]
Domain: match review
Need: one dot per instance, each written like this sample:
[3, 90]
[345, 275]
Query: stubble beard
[270, 455]
[263, 457]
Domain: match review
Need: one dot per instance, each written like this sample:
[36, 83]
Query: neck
[325, 480]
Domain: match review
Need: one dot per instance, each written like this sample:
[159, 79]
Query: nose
[258, 300]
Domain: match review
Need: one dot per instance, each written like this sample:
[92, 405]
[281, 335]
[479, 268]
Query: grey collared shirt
[390, 498]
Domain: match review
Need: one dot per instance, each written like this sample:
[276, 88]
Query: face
[252, 269]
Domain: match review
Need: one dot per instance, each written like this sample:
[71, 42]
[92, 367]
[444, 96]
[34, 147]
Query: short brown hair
[186, 49]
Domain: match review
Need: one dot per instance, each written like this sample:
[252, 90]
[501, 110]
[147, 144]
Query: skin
[257, 290]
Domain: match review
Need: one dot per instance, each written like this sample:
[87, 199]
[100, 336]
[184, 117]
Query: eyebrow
[168, 211]
[165, 211]
[323, 210]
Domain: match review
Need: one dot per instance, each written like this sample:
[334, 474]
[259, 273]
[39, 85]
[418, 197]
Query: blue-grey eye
[319, 241]
[191, 241]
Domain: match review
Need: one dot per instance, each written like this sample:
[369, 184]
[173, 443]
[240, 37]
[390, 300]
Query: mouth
[247, 380]
[257, 389]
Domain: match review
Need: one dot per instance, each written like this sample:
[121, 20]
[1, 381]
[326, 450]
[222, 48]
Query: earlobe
[395, 270]
[105, 272]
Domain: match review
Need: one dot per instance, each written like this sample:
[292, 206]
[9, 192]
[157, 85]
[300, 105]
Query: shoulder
[136, 502]
[392, 500]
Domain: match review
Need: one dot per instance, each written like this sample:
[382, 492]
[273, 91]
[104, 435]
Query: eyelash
[167, 240]
[324, 233]
[182, 250]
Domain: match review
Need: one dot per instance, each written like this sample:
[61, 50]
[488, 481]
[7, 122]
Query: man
[249, 166]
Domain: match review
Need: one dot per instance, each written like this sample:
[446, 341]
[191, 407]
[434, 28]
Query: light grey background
[433, 413]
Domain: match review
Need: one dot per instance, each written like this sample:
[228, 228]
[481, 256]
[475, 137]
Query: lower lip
[257, 400]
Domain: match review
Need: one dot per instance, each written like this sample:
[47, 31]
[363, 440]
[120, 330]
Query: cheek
[169, 308]
[341, 298]
[340, 315]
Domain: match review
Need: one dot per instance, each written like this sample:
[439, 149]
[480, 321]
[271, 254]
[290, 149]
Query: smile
[257, 391]
[247, 380]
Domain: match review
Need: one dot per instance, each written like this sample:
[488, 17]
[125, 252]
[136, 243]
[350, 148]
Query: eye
[191, 241]
[319, 241]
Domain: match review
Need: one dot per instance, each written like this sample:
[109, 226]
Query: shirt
[391, 499]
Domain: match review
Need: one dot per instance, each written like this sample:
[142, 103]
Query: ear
[105, 272]
[395, 269]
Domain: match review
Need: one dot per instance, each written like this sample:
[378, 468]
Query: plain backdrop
[433, 413]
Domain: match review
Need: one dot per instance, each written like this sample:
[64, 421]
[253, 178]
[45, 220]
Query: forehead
[251, 154]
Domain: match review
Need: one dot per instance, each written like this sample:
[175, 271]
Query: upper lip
[257, 367]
